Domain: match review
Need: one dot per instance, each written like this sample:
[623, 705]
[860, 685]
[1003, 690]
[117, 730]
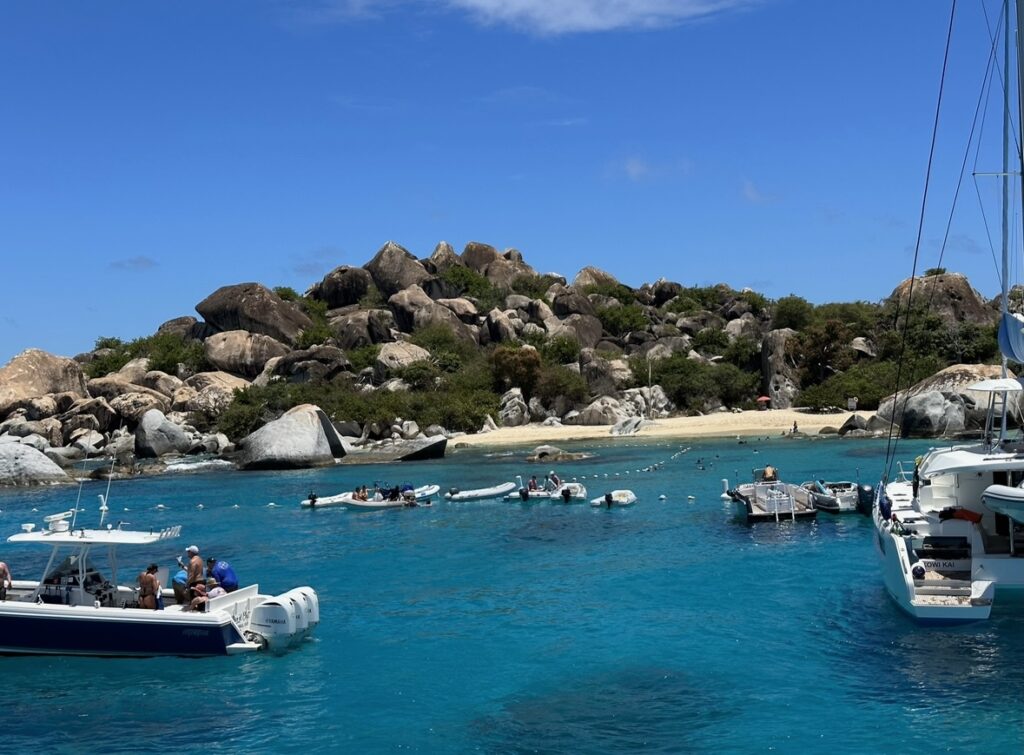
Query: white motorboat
[77, 609]
[766, 499]
[376, 500]
[480, 494]
[832, 497]
[950, 533]
[570, 492]
[615, 498]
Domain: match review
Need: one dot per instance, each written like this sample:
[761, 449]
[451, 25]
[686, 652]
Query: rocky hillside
[462, 342]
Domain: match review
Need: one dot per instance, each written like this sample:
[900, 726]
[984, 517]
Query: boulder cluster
[53, 414]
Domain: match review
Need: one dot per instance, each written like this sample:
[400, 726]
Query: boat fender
[918, 571]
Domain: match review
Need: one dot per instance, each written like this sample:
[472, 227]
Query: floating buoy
[662, 497]
[272, 504]
[691, 498]
[35, 509]
[236, 506]
[200, 506]
[160, 507]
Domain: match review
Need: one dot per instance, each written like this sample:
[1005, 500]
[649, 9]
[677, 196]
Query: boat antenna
[106, 496]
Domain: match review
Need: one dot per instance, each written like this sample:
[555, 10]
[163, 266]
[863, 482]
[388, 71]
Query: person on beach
[148, 587]
[5, 580]
[795, 430]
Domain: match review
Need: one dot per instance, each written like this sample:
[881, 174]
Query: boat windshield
[68, 572]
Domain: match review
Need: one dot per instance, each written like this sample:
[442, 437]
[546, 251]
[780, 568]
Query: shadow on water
[640, 709]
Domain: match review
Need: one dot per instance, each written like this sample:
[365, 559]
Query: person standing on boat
[223, 573]
[195, 568]
[5, 580]
[179, 583]
[148, 587]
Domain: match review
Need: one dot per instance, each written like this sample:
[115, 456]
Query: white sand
[722, 425]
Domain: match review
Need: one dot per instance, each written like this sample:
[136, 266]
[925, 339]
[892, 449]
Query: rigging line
[890, 448]
[982, 99]
[1002, 84]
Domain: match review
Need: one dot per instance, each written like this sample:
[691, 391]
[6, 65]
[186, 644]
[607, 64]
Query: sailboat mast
[1005, 269]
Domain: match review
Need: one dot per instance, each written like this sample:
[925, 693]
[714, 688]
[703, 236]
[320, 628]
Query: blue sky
[153, 152]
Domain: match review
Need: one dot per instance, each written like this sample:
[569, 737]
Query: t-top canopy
[96, 537]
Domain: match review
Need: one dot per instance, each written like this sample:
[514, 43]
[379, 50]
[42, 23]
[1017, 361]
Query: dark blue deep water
[506, 628]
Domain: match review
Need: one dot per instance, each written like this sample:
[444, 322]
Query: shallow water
[494, 627]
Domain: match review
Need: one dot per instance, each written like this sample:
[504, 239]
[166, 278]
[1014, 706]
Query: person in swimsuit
[200, 600]
[148, 585]
[195, 569]
[5, 580]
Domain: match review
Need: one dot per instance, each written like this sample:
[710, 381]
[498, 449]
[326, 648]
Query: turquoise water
[496, 627]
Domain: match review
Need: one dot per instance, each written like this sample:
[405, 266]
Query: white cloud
[636, 168]
[546, 17]
[569, 16]
[754, 195]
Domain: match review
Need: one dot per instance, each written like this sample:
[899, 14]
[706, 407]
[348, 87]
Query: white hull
[346, 500]
[481, 494]
[615, 498]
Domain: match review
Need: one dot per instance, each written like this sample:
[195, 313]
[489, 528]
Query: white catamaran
[950, 533]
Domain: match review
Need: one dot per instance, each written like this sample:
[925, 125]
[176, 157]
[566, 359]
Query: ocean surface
[513, 628]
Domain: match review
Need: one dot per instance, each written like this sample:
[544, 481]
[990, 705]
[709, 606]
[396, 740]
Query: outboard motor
[865, 499]
[274, 622]
[312, 605]
[302, 611]
[524, 494]
[608, 500]
[566, 494]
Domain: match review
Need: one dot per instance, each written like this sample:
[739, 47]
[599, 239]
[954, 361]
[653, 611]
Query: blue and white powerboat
[77, 609]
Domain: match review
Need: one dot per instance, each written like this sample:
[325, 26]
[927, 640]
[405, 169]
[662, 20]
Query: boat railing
[902, 475]
[776, 499]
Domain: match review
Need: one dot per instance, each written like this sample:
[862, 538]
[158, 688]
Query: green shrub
[363, 356]
[421, 376]
[287, 293]
[555, 380]
[870, 382]
[622, 320]
[534, 286]
[516, 368]
[560, 350]
[758, 303]
[317, 333]
[711, 341]
[372, 299]
[792, 312]
[933, 271]
[473, 284]
[623, 294]
[744, 353]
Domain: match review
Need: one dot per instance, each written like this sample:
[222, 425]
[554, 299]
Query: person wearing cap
[554, 479]
[195, 568]
[148, 586]
[200, 598]
[223, 573]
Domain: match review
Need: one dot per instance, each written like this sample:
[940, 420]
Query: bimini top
[61, 534]
[997, 385]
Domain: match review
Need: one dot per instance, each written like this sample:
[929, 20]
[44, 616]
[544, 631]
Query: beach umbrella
[764, 398]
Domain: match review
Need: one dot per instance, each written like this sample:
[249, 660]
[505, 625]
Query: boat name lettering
[938, 564]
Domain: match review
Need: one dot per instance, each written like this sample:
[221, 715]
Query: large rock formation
[342, 286]
[35, 373]
[393, 269]
[156, 436]
[21, 464]
[780, 372]
[255, 308]
[593, 276]
[950, 296]
[302, 437]
[353, 330]
[242, 353]
[395, 356]
[942, 404]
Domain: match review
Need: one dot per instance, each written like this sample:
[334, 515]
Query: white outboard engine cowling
[274, 621]
[312, 606]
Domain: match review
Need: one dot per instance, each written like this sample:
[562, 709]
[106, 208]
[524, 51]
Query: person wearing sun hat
[200, 598]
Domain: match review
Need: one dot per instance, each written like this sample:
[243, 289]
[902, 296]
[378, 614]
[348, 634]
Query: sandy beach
[723, 425]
